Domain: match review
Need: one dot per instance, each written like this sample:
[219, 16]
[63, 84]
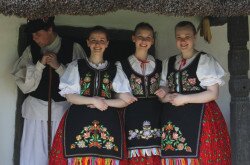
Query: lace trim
[144, 152]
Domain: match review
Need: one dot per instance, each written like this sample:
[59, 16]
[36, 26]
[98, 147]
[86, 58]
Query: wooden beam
[238, 65]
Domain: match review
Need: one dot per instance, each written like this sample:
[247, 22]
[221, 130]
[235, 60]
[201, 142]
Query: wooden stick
[49, 111]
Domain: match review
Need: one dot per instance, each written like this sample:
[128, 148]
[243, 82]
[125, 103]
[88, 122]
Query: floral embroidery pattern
[189, 84]
[171, 85]
[85, 84]
[136, 85]
[94, 136]
[172, 139]
[154, 83]
[146, 133]
[106, 86]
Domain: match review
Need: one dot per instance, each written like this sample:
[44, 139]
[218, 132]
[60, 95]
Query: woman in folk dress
[91, 132]
[193, 128]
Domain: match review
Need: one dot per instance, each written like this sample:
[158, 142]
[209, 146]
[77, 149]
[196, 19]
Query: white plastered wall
[165, 47]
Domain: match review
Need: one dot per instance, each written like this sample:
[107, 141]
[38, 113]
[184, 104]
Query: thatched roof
[40, 8]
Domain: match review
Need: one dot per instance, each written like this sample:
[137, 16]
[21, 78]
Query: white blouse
[136, 64]
[70, 81]
[209, 71]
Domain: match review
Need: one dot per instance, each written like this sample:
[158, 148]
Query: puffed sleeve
[70, 80]
[163, 81]
[209, 71]
[121, 83]
[27, 74]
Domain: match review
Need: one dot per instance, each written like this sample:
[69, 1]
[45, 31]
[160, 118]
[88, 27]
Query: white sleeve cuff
[40, 66]
[211, 81]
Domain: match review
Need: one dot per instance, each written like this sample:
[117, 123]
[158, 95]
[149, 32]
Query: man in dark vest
[48, 54]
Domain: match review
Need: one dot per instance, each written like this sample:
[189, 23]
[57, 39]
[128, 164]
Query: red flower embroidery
[138, 81]
[169, 147]
[153, 80]
[87, 92]
[192, 81]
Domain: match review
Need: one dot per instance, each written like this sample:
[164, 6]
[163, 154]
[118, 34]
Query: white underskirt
[34, 143]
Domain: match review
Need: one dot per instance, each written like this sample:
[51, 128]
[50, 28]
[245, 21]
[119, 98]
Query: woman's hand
[177, 99]
[99, 103]
[168, 98]
[161, 92]
[127, 97]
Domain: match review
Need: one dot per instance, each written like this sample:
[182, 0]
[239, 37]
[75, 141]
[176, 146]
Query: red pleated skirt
[215, 148]
[151, 160]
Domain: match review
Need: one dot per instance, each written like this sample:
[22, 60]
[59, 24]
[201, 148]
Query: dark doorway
[120, 47]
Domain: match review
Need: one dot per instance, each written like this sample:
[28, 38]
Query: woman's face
[97, 42]
[143, 39]
[185, 39]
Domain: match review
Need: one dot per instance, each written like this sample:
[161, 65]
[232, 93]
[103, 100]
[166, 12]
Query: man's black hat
[39, 24]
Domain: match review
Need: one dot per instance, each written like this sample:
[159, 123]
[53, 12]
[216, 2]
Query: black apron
[142, 124]
[142, 118]
[91, 132]
[181, 125]
[181, 130]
